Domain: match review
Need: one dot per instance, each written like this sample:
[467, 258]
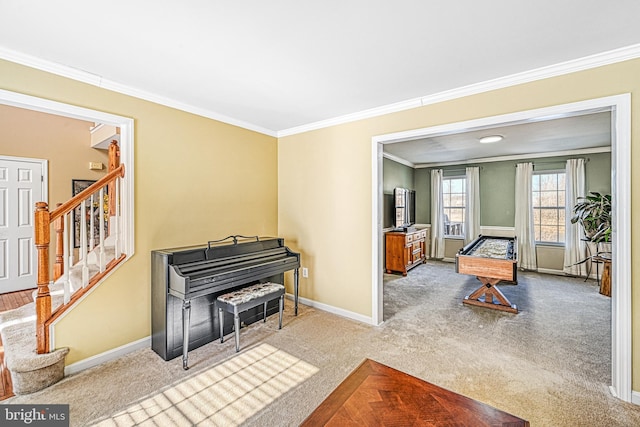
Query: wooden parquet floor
[8, 302]
[377, 395]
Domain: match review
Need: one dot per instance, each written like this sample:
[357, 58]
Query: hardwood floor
[8, 302]
[375, 394]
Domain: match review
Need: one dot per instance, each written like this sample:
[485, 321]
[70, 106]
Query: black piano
[185, 283]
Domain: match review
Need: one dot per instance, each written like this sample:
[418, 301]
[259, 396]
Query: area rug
[377, 395]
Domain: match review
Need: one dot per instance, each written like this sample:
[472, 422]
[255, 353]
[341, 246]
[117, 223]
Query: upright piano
[185, 283]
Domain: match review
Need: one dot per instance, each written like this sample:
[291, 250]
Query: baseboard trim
[551, 271]
[334, 310]
[115, 353]
[112, 354]
[635, 397]
[562, 273]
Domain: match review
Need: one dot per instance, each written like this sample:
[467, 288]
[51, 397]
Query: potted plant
[593, 212]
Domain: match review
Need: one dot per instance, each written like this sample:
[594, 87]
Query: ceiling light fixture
[491, 138]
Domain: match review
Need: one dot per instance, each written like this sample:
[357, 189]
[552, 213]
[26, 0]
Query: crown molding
[352, 117]
[578, 152]
[562, 68]
[580, 64]
[398, 159]
[99, 81]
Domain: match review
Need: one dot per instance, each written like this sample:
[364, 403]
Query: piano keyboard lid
[198, 269]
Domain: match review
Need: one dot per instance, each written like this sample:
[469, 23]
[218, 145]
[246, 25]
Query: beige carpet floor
[549, 364]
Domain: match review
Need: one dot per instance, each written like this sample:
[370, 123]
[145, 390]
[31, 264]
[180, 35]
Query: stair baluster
[92, 234]
[65, 245]
[83, 243]
[116, 204]
[103, 260]
[58, 268]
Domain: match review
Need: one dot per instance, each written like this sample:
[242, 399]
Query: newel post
[43, 298]
[114, 162]
[58, 267]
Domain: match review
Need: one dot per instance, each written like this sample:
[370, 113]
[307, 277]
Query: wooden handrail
[72, 203]
[43, 221]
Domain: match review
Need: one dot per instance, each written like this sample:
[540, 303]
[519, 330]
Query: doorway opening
[620, 108]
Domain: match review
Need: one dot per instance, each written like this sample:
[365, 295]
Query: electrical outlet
[305, 272]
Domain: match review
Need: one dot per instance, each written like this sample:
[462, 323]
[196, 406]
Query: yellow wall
[196, 179]
[64, 142]
[315, 190]
[325, 181]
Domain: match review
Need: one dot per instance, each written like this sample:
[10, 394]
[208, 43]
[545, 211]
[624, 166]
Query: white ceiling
[590, 131]
[273, 66]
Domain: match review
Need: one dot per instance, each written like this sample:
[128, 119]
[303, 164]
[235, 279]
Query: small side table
[605, 280]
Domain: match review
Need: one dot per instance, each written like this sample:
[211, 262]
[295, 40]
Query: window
[549, 206]
[453, 201]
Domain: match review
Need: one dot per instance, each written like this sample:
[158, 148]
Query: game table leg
[485, 294]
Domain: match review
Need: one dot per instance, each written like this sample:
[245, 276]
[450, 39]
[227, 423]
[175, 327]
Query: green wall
[394, 175]
[497, 185]
[423, 196]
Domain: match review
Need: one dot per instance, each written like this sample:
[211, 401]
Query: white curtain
[437, 215]
[472, 218]
[575, 249]
[524, 217]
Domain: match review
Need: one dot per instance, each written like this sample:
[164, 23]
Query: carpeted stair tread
[29, 370]
[19, 342]
[56, 290]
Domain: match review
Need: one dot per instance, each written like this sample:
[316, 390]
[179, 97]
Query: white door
[20, 188]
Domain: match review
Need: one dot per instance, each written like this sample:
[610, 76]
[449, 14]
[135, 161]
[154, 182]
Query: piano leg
[236, 325]
[295, 291]
[281, 309]
[221, 322]
[186, 321]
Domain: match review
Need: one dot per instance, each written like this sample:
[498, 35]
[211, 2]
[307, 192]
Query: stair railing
[59, 221]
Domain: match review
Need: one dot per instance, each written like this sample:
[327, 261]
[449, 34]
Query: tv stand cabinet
[405, 250]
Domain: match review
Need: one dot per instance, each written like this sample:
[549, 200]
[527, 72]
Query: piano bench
[246, 298]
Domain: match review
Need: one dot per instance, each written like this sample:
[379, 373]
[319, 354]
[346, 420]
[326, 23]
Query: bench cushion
[250, 293]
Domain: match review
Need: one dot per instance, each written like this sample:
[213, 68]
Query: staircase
[29, 370]
[29, 352]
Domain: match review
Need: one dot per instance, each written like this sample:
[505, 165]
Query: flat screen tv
[405, 207]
